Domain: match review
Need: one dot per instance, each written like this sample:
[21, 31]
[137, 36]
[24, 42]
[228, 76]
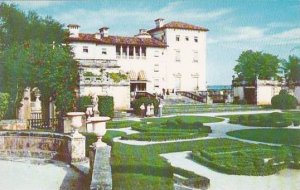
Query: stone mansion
[169, 57]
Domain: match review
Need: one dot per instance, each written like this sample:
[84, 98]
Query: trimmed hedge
[267, 120]
[136, 104]
[284, 101]
[82, 102]
[122, 124]
[106, 106]
[4, 101]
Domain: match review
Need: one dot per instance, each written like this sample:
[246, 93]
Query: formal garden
[257, 144]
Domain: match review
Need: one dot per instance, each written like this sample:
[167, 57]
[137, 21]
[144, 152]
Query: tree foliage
[17, 26]
[4, 101]
[36, 64]
[31, 56]
[292, 68]
[252, 65]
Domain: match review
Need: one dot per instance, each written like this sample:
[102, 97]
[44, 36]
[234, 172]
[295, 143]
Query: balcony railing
[104, 63]
[98, 81]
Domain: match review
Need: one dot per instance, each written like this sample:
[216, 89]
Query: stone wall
[42, 145]
[13, 125]
[100, 169]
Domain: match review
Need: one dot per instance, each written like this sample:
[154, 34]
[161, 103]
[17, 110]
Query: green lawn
[278, 136]
[267, 120]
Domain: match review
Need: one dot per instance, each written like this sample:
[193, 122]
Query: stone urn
[99, 128]
[76, 122]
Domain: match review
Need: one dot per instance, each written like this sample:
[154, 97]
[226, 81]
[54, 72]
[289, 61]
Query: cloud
[256, 37]
[29, 5]
[90, 20]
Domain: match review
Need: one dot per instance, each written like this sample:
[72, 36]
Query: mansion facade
[169, 57]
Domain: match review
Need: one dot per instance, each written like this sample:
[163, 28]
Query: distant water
[219, 87]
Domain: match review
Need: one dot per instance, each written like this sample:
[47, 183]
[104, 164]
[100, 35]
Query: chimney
[73, 30]
[103, 32]
[159, 22]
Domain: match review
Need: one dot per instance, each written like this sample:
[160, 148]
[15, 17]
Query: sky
[271, 26]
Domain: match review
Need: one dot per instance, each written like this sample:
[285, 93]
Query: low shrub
[4, 102]
[82, 103]
[296, 123]
[106, 106]
[284, 101]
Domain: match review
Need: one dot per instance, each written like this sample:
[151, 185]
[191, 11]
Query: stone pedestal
[101, 169]
[77, 149]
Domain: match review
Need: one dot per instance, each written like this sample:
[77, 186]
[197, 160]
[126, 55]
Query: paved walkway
[219, 129]
[36, 174]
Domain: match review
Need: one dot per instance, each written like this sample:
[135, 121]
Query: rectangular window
[187, 38]
[104, 51]
[195, 56]
[177, 38]
[85, 49]
[177, 55]
[156, 53]
[196, 39]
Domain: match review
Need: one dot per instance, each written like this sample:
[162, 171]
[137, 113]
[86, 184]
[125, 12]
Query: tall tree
[291, 68]
[17, 26]
[28, 59]
[255, 64]
[35, 64]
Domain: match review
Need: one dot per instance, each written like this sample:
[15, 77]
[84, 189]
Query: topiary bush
[4, 101]
[82, 103]
[284, 101]
[106, 106]
[136, 104]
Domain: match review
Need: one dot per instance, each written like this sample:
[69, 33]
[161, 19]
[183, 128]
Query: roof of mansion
[179, 25]
[118, 40]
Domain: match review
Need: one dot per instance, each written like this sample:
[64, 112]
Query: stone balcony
[101, 63]
[98, 81]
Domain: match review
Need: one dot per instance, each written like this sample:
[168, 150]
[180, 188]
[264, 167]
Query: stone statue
[95, 105]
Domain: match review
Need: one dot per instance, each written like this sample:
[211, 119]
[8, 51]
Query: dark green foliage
[296, 123]
[4, 102]
[147, 102]
[284, 101]
[82, 103]
[106, 106]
